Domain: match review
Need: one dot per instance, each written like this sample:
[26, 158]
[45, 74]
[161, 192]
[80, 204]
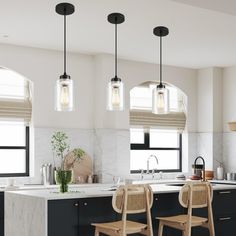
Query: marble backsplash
[42, 152]
[229, 151]
[209, 146]
[109, 149]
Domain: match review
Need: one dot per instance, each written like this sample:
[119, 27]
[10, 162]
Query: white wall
[112, 160]
[229, 114]
[44, 67]
[209, 103]
[106, 134]
[132, 74]
[209, 114]
[218, 100]
[205, 100]
[229, 96]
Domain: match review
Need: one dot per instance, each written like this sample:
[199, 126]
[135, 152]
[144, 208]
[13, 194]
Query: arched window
[15, 118]
[156, 135]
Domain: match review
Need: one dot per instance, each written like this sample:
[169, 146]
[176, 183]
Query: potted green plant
[60, 147]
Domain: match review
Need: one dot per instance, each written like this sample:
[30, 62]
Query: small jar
[90, 179]
[95, 178]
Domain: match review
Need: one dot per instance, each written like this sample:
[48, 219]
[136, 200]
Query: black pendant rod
[116, 18]
[116, 61]
[160, 31]
[160, 60]
[65, 9]
[65, 44]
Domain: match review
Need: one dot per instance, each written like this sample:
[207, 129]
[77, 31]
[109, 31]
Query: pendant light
[115, 91]
[64, 85]
[160, 94]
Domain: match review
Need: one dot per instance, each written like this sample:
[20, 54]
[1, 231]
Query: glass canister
[46, 173]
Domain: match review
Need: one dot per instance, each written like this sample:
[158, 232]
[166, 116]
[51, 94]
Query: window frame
[27, 155]
[146, 146]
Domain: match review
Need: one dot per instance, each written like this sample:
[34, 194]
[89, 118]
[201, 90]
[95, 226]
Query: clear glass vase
[63, 178]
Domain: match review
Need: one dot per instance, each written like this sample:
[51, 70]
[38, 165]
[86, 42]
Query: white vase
[220, 173]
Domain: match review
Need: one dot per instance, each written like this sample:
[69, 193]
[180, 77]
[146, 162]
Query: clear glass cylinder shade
[160, 100]
[64, 95]
[115, 96]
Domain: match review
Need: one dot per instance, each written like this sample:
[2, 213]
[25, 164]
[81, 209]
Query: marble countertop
[224, 181]
[40, 186]
[98, 190]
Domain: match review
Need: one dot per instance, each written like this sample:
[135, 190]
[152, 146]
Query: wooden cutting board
[81, 168]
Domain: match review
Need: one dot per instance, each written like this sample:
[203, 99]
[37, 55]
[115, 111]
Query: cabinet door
[63, 217]
[1, 213]
[94, 210]
[166, 205]
[224, 202]
[224, 211]
[196, 231]
[225, 225]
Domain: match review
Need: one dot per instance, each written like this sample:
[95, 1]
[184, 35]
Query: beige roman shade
[19, 108]
[146, 119]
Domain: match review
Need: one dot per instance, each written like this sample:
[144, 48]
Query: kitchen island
[50, 213]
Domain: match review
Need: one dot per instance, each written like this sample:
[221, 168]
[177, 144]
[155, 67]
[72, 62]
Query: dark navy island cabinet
[224, 210]
[73, 217]
[1, 213]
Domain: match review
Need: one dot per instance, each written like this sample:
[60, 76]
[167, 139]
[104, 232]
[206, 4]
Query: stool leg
[188, 231]
[160, 229]
[96, 232]
[184, 233]
[211, 229]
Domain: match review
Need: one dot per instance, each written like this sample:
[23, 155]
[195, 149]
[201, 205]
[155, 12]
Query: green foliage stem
[60, 147]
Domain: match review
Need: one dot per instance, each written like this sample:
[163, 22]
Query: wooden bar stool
[129, 199]
[192, 195]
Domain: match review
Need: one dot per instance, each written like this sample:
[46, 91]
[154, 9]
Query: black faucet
[203, 166]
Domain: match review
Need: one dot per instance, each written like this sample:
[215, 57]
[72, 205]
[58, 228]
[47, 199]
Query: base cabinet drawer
[224, 202]
[225, 225]
[1, 213]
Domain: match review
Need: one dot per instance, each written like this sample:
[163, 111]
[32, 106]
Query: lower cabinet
[1, 213]
[73, 217]
[225, 225]
[63, 218]
[166, 205]
[94, 210]
[224, 210]
[196, 231]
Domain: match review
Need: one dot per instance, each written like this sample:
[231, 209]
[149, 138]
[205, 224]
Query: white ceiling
[226, 6]
[198, 37]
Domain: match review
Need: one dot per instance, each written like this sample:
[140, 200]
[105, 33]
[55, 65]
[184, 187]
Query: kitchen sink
[180, 184]
[110, 189]
[176, 184]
